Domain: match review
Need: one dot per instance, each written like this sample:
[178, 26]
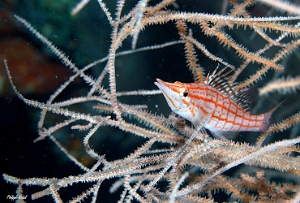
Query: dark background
[84, 38]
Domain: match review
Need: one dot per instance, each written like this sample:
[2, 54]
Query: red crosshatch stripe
[230, 113]
[200, 107]
[226, 105]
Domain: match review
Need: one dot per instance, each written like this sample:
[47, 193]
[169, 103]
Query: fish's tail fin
[267, 117]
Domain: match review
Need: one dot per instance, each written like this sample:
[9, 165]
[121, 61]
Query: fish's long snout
[161, 85]
[158, 82]
[174, 87]
[168, 92]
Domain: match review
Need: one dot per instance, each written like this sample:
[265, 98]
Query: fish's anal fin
[225, 135]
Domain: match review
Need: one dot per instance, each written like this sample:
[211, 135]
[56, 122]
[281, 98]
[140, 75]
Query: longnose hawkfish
[228, 110]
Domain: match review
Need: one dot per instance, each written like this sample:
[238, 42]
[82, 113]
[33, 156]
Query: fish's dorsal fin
[221, 81]
[244, 98]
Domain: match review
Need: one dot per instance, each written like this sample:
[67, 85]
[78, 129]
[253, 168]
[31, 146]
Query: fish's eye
[186, 93]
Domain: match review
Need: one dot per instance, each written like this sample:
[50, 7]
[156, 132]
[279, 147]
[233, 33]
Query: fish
[215, 101]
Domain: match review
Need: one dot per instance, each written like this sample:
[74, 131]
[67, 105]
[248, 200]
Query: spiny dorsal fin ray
[245, 98]
[221, 81]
